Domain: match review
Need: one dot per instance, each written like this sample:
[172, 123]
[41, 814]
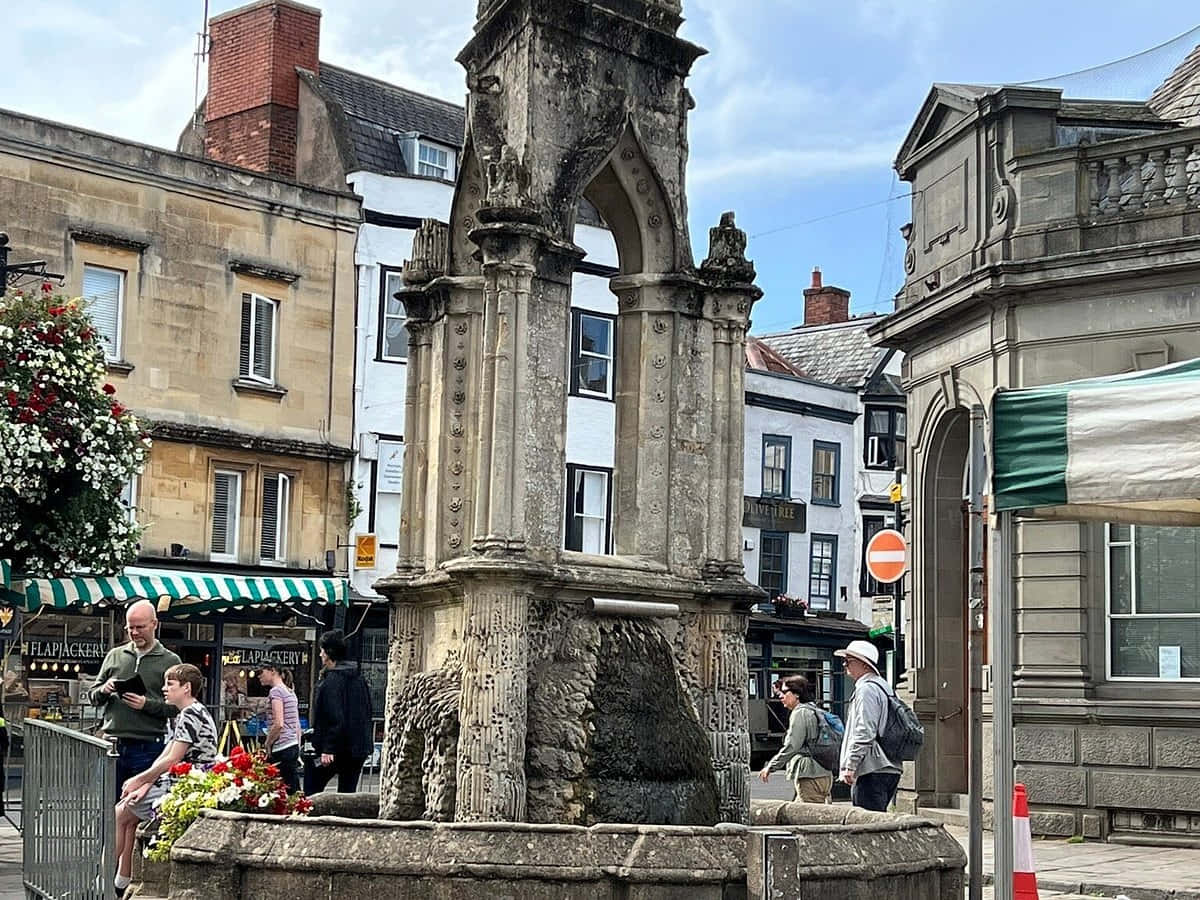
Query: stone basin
[792, 850]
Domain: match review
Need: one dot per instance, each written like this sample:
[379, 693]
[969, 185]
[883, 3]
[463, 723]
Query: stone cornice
[208, 436]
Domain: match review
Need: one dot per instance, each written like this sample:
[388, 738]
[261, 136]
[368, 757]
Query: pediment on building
[946, 108]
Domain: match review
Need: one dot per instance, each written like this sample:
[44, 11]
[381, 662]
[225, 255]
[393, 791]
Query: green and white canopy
[1122, 448]
[179, 592]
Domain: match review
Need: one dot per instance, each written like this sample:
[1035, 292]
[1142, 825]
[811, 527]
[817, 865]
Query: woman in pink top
[283, 737]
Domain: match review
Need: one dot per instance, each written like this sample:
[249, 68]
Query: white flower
[264, 801]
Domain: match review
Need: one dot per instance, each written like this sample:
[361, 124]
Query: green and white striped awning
[1123, 448]
[180, 592]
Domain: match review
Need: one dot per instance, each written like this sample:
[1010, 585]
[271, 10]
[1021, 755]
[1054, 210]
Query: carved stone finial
[428, 252]
[727, 253]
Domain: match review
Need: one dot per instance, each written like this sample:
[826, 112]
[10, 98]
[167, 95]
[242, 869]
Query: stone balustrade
[1161, 172]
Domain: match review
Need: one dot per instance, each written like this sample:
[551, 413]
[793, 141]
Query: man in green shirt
[137, 721]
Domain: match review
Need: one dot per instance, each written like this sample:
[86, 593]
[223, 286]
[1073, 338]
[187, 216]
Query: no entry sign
[887, 556]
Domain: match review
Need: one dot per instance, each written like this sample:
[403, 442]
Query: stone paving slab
[1096, 869]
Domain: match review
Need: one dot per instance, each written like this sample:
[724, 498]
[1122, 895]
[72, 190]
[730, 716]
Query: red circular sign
[887, 556]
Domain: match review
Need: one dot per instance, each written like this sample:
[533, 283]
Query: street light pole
[977, 475]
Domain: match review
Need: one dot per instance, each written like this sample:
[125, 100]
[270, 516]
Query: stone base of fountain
[834, 852]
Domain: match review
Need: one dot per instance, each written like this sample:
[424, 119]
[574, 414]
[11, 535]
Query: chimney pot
[825, 304]
[816, 276]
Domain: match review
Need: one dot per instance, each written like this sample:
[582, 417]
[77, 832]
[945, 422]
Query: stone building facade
[1052, 240]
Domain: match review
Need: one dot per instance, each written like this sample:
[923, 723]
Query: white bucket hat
[862, 650]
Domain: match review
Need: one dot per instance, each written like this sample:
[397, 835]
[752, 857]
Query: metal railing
[67, 799]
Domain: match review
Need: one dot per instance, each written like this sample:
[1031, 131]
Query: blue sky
[801, 104]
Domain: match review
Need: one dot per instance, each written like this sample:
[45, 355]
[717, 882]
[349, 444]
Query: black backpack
[903, 732]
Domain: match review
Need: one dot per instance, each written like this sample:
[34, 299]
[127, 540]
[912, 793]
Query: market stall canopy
[1121, 448]
[177, 591]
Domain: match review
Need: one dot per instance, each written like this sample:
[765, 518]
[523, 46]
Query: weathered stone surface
[1146, 790]
[1044, 744]
[1054, 824]
[837, 853]
[1091, 825]
[1114, 745]
[1177, 748]
[347, 806]
[1057, 785]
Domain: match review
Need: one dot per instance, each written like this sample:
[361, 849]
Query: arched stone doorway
[943, 558]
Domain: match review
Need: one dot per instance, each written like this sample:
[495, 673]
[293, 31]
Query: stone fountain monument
[560, 724]
[527, 682]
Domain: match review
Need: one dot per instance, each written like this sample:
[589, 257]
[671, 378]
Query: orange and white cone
[1024, 878]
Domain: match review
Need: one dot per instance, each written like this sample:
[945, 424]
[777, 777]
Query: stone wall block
[1112, 745]
[1091, 825]
[1177, 748]
[1044, 744]
[1125, 790]
[1057, 785]
[1056, 824]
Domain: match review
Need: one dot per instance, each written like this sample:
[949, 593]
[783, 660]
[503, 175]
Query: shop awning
[1121, 448]
[181, 592]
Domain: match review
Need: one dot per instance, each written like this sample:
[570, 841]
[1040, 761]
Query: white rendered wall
[804, 429]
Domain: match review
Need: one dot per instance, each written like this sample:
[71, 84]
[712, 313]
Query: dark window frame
[782, 538]
[815, 539]
[576, 351]
[868, 586]
[570, 530]
[384, 272]
[835, 493]
[893, 460]
[784, 440]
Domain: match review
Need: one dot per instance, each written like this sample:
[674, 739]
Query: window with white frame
[885, 437]
[592, 354]
[434, 162]
[393, 329]
[389, 486]
[589, 506]
[776, 466]
[1153, 587]
[276, 504]
[772, 562]
[826, 463]
[259, 320]
[822, 571]
[103, 292]
[226, 515]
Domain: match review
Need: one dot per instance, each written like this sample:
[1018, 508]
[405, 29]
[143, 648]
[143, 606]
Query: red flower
[220, 768]
[272, 771]
[180, 768]
[117, 410]
[57, 310]
[237, 780]
[47, 287]
[12, 398]
[109, 389]
[242, 763]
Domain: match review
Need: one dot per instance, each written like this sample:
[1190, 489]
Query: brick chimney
[253, 89]
[825, 305]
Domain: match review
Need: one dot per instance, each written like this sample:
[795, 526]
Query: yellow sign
[364, 551]
[895, 492]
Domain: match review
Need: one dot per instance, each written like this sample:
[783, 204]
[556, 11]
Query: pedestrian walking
[190, 738]
[811, 780]
[282, 742]
[873, 778]
[343, 735]
[130, 691]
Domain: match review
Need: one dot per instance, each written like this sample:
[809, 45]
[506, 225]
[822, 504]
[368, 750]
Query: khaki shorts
[814, 790]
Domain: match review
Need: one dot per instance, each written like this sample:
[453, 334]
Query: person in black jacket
[343, 735]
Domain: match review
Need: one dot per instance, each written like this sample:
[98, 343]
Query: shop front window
[244, 649]
[52, 665]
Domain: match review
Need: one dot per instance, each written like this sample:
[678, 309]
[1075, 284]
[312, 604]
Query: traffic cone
[1024, 878]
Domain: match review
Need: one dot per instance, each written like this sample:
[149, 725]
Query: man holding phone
[130, 690]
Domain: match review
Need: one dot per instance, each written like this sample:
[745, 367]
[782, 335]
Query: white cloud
[792, 164]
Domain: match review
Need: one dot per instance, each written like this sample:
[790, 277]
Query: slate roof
[377, 112]
[1178, 97]
[840, 354]
[1110, 111]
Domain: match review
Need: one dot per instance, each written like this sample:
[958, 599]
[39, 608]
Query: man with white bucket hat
[873, 778]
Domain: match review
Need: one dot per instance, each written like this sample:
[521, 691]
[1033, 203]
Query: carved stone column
[724, 672]
[493, 705]
[405, 649]
[731, 296]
